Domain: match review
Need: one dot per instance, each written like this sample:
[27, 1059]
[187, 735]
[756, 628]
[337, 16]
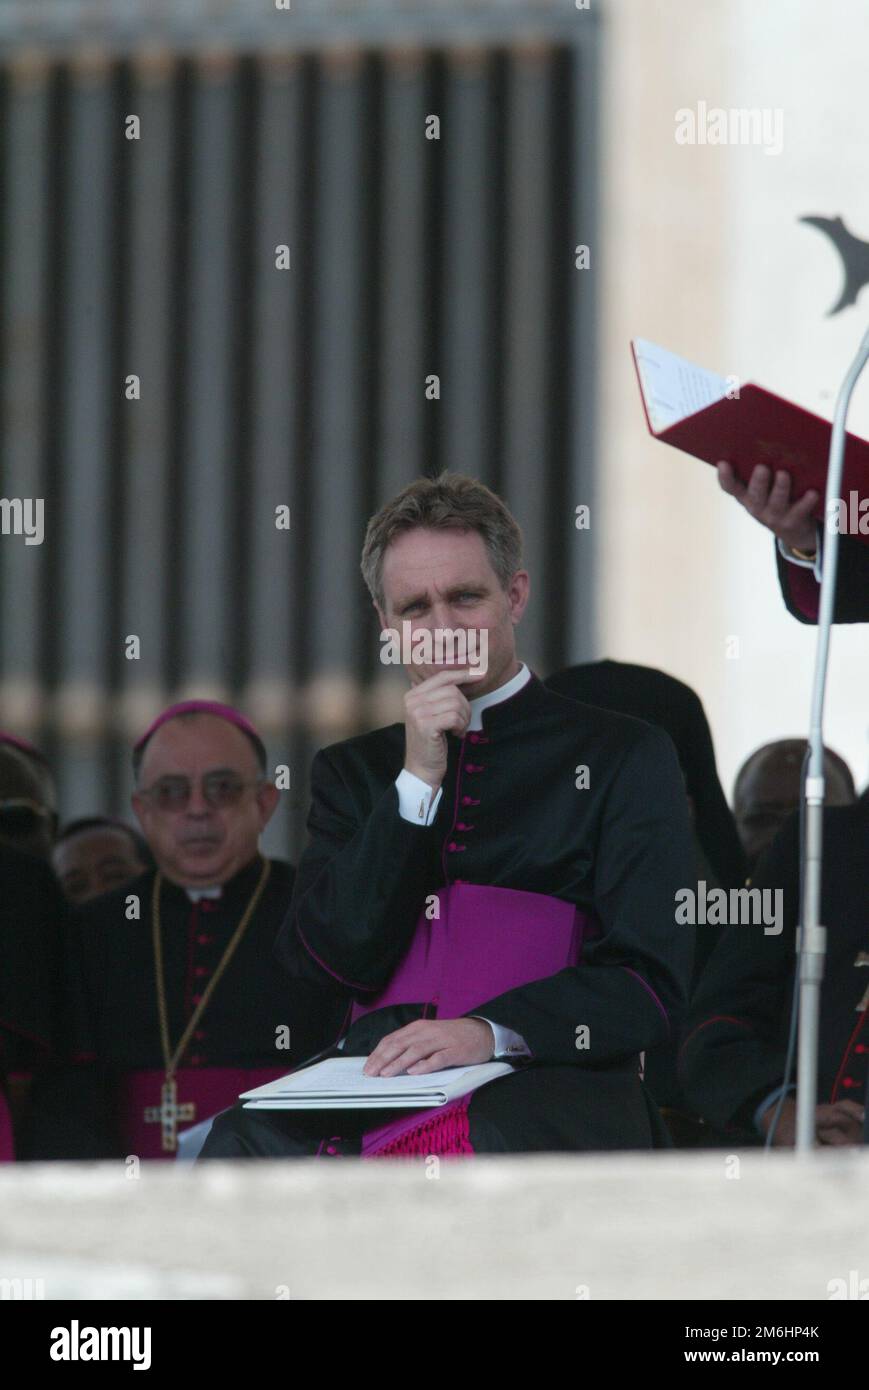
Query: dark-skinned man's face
[769, 791]
[94, 861]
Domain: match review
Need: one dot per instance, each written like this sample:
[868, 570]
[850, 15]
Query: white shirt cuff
[417, 801]
[813, 565]
[507, 1043]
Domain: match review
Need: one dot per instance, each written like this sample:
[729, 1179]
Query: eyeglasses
[19, 816]
[219, 789]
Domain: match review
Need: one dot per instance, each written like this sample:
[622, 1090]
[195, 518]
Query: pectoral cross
[863, 959]
[168, 1114]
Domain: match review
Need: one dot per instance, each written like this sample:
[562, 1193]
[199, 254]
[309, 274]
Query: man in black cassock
[172, 1015]
[659, 698]
[32, 920]
[799, 546]
[552, 837]
[733, 1058]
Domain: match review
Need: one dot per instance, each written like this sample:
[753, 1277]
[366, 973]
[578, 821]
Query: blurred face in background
[27, 823]
[94, 861]
[769, 788]
[202, 799]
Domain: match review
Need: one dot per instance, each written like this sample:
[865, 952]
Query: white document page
[339, 1083]
[672, 387]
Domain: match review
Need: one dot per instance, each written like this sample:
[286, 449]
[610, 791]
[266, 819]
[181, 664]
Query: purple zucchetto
[215, 707]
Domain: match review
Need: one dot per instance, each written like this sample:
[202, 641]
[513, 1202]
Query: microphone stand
[812, 937]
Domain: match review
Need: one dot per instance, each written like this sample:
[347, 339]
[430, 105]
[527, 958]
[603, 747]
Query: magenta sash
[208, 1089]
[484, 942]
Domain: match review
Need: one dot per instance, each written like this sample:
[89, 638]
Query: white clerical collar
[494, 697]
[196, 894]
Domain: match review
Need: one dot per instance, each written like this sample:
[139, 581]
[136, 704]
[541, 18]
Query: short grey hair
[451, 501]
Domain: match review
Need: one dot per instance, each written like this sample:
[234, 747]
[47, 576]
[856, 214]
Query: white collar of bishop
[197, 894]
[494, 697]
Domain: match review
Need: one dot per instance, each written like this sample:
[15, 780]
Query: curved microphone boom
[811, 939]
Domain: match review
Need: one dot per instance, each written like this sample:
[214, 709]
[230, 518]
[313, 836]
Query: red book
[715, 417]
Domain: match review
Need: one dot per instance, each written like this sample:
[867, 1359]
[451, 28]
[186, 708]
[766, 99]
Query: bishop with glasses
[175, 1001]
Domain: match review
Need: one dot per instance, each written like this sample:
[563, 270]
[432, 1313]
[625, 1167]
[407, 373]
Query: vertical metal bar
[465, 371]
[22, 342]
[206, 486]
[85, 522]
[147, 419]
[405, 153]
[274, 615]
[275, 610]
[405, 246]
[581, 288]
[527, 464]
[338, 345]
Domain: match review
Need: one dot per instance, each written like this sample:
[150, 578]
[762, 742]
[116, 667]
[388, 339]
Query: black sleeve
[736, 1040]
[32, 919]
[852, 587]
[360, 885]
[71, 1115]
[630, 989]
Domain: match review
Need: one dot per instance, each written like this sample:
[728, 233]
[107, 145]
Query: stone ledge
[656, 1226]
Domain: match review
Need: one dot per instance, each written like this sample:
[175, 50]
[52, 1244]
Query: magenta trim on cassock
[804, 590]
[716, 1018]
[227, 712]
[7, 1143]
[649, 990]
[23, 744]
[351, 984]
[11, 1027]
[455, 809]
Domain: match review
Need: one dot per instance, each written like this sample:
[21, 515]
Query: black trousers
[539, 1109]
